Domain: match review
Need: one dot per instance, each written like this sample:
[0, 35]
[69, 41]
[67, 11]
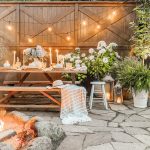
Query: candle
[57, 55]
[23, 58]
[50, 56]
[14, 59]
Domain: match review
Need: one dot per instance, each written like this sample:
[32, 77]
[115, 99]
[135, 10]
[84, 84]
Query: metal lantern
[109, 87]
[118, 96]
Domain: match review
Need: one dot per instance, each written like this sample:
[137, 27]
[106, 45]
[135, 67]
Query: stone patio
[122, 127]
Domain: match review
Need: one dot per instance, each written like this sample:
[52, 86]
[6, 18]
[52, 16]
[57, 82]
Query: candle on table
[14, 58]
[23, 58]
[50, 56]
[57, 55]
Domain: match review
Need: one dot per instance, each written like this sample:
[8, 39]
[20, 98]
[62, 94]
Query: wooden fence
[63, 25]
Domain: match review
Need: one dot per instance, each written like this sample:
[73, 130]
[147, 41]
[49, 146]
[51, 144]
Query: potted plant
[99, 61]
[133, 75]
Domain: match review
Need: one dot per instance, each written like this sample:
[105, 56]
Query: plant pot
[140, 99]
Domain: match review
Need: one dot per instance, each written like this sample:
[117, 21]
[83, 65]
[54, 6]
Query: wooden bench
[15, 89]
[37, 82]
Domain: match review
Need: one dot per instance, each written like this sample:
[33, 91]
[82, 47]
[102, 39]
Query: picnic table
[29, 86]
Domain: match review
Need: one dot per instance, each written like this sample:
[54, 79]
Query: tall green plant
[132, 74]
[141, 30]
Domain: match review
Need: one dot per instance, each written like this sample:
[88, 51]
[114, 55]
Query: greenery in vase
[76, 58]
[132, 74]
[141, 30]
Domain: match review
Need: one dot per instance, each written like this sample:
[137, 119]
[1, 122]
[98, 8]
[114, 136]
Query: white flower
[68, 56]
[78, 61]
[117, 55]
[91, 50]
[83, 55]
[85, 58]
[101, 44]
[83, 64]
[71, 59]
[101, 51]
[105, 60]
[113, 45]
[91, 57]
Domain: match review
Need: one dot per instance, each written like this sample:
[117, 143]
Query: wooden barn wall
[31, 20]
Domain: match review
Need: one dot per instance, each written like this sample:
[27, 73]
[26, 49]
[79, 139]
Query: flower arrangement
[99, 61]
[77, 61]
[37, 52]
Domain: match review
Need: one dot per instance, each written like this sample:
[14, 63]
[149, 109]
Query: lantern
[109, 87]
[118, 97]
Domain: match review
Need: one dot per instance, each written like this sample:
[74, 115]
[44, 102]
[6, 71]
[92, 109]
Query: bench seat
[26, 89]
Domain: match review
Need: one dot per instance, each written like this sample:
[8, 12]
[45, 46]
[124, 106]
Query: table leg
[13, 93]
[50, 97]
[48, 78]
[73, 77]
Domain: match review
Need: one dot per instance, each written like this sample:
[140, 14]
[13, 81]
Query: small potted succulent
[133, 75]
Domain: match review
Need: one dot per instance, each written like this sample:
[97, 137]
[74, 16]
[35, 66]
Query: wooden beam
[27, 11]
[29, 106]
[51, 98]
[107, 23]
[89, 13]
[6, 12]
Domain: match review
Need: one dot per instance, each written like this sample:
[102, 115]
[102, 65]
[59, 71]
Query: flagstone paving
[122, 127]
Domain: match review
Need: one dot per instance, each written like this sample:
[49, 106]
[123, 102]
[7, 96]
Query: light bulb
[9, 27]
[84, 23]
[98, 26]
[49, 29]
[68, 38]
[114, 13]
[30, 40]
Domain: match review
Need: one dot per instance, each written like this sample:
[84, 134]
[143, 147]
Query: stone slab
[134, 131]
[95, 122]
[72, 143]
[97, 139]
[106, 146]
[123, 137]
[143, 138]
[136, 124]
[128, 146]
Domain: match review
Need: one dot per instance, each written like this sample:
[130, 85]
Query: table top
[5, 70]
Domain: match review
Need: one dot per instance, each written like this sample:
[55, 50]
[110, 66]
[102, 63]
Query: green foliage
[132, 74]
[141, 29]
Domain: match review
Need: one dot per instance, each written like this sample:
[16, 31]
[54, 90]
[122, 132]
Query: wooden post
[76, 24]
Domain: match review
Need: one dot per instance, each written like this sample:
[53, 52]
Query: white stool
[100, 90]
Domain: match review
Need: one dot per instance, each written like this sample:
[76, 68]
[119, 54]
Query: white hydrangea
[117, 55]
[83, 55]
[101, 51]
[105, 60]
[68, 56]
[91, 50]
[86, 58]
[113, 44]
[71, 59]
[91, 57]
[78, 61]
[101, 44]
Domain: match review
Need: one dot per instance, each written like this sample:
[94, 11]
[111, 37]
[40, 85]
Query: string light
[9, 27]
[98, 26]
[68, 38]
[114, 13]
[49, 29]
[30, 40]
[84, 23]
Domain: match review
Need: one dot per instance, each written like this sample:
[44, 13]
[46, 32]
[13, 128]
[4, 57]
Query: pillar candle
[57, 55]
[50, 56]
[14, 58]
